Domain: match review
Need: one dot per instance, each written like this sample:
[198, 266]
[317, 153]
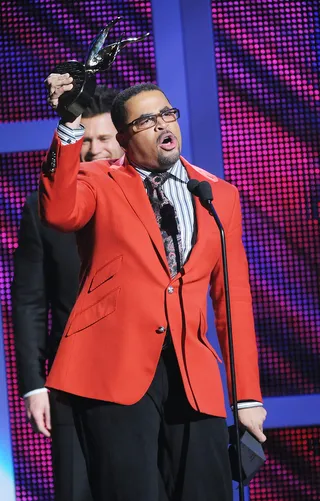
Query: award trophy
[72, 103]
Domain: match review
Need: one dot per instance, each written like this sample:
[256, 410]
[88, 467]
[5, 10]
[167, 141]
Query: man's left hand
[253, 418]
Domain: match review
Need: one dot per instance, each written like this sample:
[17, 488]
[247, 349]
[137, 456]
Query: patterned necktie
[167, 220]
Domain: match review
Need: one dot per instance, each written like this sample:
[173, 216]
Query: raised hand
[57, 84]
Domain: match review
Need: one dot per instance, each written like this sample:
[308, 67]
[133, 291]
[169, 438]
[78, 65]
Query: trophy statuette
[72, 103]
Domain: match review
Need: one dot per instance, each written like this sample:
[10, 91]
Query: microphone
[168, 223]
[200, 189]
[245, 451]
[192, 186]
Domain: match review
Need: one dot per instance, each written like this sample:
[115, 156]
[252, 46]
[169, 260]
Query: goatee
[167, 161]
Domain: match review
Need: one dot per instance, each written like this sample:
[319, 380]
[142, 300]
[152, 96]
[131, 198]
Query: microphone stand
[209, 206]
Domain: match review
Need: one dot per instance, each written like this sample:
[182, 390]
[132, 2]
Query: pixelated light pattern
[268, 66]
[36, 36]
[19, 174]
[292, 468]
[268, 57]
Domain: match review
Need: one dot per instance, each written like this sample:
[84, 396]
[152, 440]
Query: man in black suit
[46, 269]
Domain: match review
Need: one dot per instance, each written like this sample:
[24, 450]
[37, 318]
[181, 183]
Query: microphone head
[204, 191]
[192, 185]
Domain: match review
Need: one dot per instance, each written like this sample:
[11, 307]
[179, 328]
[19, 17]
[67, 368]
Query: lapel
[130, 182]
[202, 217]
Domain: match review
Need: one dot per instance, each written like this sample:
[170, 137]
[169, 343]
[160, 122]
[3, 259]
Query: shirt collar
[116, 161]
[177, 171]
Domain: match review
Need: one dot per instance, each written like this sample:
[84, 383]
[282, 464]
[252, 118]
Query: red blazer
[112, 341]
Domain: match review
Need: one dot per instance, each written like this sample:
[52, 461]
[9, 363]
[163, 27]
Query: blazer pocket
[202, 335]
[93, 313]
[105, 273]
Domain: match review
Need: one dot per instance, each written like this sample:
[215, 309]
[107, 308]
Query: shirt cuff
[68, 135]
[34, 392]
[248, 405]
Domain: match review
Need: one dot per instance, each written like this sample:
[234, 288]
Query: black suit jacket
[46, 271]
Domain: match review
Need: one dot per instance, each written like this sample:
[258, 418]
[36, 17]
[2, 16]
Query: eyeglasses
[148, 121]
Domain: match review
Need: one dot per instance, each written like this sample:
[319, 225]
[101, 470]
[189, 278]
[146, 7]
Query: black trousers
[69, 468]
[158, 449]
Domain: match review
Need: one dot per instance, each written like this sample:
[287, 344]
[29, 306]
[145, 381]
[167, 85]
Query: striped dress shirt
[176, 191]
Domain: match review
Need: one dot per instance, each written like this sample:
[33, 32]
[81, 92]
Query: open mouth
[167, 141]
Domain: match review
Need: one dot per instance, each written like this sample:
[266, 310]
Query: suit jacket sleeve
[67, 199]
[245, 349]
[30, 306]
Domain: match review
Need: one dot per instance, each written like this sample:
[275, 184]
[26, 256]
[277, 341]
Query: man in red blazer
[148, 396]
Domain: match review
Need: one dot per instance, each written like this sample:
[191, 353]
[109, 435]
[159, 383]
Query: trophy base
[73, 103]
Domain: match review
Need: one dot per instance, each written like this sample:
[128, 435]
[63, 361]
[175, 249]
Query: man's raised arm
[67, 201]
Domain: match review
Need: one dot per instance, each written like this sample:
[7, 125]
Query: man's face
[156, 148]
[100, 141]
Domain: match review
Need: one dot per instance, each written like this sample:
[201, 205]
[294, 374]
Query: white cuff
[34, 392]
[248, 405]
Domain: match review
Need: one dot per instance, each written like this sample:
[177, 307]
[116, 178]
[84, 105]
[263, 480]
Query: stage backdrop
[267, 64]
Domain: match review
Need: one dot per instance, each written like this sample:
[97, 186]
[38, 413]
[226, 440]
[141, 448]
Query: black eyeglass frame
[154, 117]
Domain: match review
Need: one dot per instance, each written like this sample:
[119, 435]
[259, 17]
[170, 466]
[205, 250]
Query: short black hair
[118, 111]
[101, 101]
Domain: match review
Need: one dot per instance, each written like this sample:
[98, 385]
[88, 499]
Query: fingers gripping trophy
[75, 92]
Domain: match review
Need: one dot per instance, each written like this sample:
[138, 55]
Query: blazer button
[170, 290]
[161, 330]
